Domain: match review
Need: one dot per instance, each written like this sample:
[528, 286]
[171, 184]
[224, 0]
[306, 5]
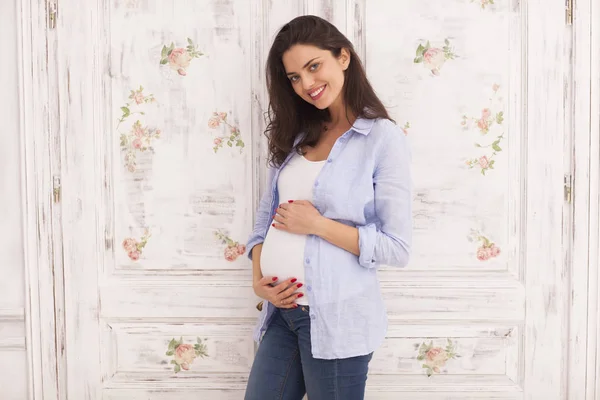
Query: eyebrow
[305, 65]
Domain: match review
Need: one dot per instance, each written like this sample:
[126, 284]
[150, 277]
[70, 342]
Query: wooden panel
[463, 204]
[142, 352]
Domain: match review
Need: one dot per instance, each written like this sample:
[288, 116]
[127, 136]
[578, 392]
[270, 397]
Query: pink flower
[433, 59]
[494, 250]
[485, 113]
[137, 144]
[241, 249]
[129, 244]
[134, 255]
[185, 355]
[218, 141]
[181, 72]
[405, 131]
[214, 122]
[131, 167]
[495, 87]
[138, 97]
[482, 254]
[231, 253]
[179, 60]
[157, 132]
[222, 115]
[138, 130]
[483, 162]
[483, 125]
[436, 358]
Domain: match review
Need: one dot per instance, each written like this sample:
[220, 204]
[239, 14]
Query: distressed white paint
[511, 317]
[13, 355]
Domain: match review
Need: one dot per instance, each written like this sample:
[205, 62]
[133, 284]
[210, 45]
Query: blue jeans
[284, 368]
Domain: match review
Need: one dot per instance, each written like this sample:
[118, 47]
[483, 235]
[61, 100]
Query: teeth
[315, 94]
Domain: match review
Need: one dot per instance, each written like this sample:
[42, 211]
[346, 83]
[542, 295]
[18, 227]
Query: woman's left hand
[297, 216]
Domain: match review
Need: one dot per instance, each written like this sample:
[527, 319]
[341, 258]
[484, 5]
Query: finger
[284, 206]
[279, 218]
[303, 202]
[267, 280]
[283, 285]
[280, 226]
[290, 291]
[283, 212]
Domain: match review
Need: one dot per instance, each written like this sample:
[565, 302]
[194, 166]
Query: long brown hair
[288, 113]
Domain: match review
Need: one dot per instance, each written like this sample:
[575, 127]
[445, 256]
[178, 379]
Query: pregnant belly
[282, 255]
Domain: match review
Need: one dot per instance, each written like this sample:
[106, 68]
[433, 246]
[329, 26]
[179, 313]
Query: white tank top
[282, 254]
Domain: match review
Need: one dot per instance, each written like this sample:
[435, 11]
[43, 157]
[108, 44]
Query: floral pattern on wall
[405, 128]
[179, 58]
[484, 123]
[230, 135]
[433, 58]
[139, 138]
[483, 3]
[233, 249]
[185, 354]
[434, 358]
[134, 247]
[487, 249]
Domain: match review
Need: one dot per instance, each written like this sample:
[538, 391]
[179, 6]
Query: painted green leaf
[177, 368]
[163, 61]
[163, 52]
[229, 144]
[477, 145]
[170, 353]
[496, 147]
[126, 111]
[427, 45]
[418, 60]
[447, 42]
[420, 50]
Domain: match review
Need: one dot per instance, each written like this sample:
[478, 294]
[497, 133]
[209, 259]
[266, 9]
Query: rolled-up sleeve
[263, 215]
[387, 240]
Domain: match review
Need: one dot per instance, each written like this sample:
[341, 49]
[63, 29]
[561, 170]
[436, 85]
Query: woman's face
[315, 74]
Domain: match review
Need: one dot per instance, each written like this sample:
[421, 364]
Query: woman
[338, 206]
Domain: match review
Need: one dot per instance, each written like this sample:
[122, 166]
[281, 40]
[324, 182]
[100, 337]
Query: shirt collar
[361, 125]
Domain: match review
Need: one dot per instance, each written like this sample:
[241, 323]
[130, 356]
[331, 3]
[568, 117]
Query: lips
[316, 94]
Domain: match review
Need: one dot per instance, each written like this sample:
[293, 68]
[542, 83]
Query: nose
[307, 83]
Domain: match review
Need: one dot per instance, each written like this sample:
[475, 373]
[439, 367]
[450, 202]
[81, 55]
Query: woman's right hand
[281, 295]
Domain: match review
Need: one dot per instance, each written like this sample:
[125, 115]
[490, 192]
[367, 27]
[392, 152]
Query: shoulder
[388, 137]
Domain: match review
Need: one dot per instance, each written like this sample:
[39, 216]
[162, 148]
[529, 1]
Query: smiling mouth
[315, 95]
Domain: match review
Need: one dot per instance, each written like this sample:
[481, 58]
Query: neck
[340, 115]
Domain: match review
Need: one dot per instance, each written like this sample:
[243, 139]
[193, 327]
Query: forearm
[256, 271]
[338, 234]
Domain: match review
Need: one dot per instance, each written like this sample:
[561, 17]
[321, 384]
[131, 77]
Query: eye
[314, 66]
[293, 79]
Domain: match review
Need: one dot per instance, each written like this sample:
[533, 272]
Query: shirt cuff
[367, 237]
[251, 243]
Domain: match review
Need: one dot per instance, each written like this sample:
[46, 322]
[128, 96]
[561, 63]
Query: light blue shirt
[366, 183]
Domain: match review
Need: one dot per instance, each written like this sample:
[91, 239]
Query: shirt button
[309, 288]
[313, 317]
[329, 160]
[316, 183]
[307, 260]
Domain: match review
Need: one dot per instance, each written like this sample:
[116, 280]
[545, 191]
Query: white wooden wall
[500, 299]
[13, 358]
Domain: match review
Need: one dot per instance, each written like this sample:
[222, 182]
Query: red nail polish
[295, 305]
[294, 280]
[300, 294]
[273, 225]
[299, 285]
[290, 201]
[274, 278]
